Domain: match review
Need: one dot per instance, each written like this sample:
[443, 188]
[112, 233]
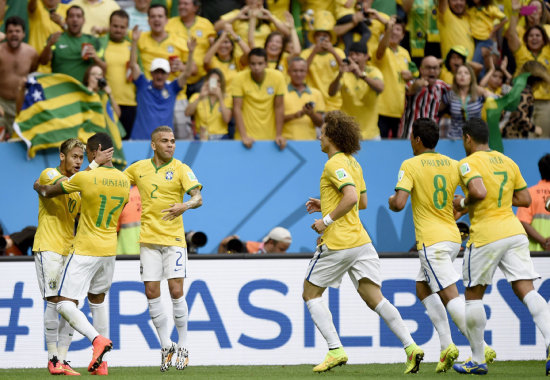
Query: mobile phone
[528, 10]
[213, 83]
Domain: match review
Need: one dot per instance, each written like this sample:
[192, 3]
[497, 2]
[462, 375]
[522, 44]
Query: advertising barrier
[250, 311]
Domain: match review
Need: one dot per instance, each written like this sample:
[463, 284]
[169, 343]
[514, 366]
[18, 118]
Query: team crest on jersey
[464, 169]
[232, 66]
[333, 63]
[270, 90]
[191, 176]
[52, 174]
[165, 94]
[400, 175]
[52, 284]
[199, 33]
[170, 49]
[341, 174]
[169, 175]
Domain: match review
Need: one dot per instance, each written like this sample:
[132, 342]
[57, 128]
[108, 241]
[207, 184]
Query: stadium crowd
[269, 70]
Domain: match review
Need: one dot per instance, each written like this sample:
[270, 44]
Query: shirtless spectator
[17, 60]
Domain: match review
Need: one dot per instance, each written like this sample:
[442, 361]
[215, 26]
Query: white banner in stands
[251, 312]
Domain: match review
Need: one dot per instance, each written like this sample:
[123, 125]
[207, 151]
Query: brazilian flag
[494, 108]
[57, 107]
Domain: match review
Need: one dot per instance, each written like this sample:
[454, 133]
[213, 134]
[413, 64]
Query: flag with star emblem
[57, 107]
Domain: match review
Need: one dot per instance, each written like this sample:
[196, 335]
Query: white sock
[65, 334]
[51, 322]
[475, 323]
[77, 319]
[322, 318]
[541, 313]
[160, 320]
[100, 318]
[180, 319]
[393, 319]
[457, 309]
[438, 316]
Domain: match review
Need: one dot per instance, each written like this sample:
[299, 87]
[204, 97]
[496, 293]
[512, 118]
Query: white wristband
[463, 203]
[93, 165]
[327, 220]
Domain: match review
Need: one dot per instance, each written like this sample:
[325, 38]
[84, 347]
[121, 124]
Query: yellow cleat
[447, 358]
[414, 356]
[490, 355]
[334, 358]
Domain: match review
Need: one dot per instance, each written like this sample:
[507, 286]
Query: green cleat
[490, 355]
[414, 356]
[447, 358]
[334, 358]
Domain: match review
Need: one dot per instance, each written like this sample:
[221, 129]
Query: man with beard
[17, 59]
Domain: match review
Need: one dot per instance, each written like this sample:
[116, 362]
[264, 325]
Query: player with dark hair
[345, 246]
[431, 179]
[493, 184]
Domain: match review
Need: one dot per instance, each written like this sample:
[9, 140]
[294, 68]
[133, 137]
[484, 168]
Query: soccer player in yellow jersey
[431, 179]
[89, 268]
[493, 184]
[54, 236]
[345, 246]
[162, 182]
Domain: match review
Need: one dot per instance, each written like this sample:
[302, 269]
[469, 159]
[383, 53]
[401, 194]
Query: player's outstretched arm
[49, 191]
[176, 209]
[398, 200]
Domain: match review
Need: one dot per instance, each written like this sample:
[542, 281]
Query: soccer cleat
[414, 356]
[68, 370]
[447, 358]
[334, 358]
[469, 367]
[101, 346]
[54, 366]
[101, 370]
[490, 355]
[166, 357]
[182, 360]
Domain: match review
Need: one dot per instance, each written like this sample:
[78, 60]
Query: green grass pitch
[499, 370]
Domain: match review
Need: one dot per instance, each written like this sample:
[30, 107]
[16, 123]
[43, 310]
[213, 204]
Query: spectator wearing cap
[360, 84]
[258, 102]
[278, 240]
[395, 64]
[455, 57]
[304, 106]
[156, 97]
[72, 51]
[323, 59]
[189, 24]
[454, 26]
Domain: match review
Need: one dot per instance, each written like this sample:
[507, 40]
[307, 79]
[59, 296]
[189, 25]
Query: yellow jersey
[391, 101]
[303, 127]
[159, 188]
[56, 217]
[171, 46]
[229, 68]
[96, 13]
[241, 28]
[492, 218]
[361, 101]
[446, 76]
[523, 55]
[117, 57]
[431, 180]
[321, 73]
[483, 19]
[203, 31]
[454, 30]
[278, 8]
[346, 232]
[258, 111]
[209, 116]
[104, 193]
